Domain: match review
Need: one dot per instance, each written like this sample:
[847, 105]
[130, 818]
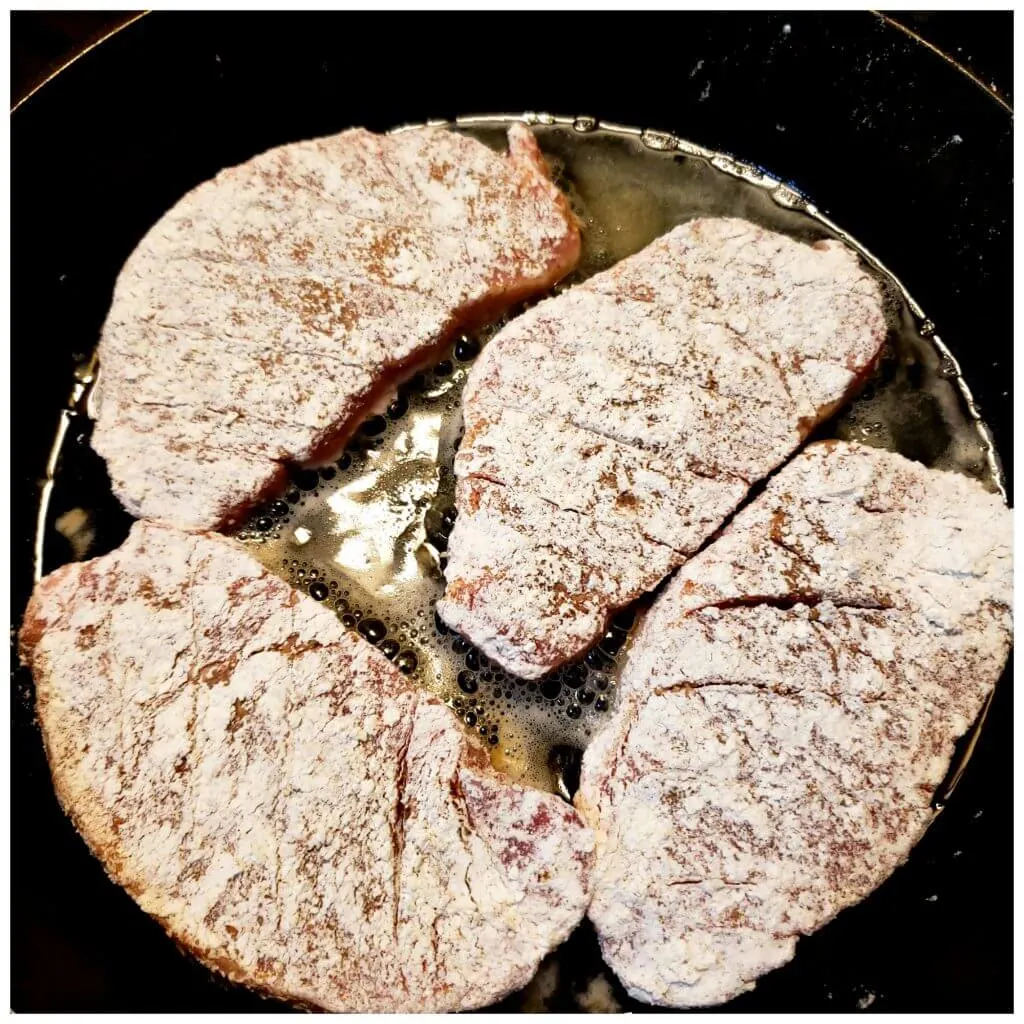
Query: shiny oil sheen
[367, 535]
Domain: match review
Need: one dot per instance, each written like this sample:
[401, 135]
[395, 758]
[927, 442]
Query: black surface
[894, 143]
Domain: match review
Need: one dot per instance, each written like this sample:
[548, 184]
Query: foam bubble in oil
[367, 535]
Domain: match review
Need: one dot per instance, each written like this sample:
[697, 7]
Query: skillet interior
[861, 131]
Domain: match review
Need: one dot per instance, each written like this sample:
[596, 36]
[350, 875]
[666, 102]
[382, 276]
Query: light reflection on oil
[377, 520]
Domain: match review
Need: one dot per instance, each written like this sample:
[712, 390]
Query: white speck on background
[953, 140]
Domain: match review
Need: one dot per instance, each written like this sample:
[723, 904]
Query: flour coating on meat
[788, 708]
[611, 429]
[274, 305]
[274, 792]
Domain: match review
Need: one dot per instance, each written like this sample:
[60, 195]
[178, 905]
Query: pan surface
[96, 163]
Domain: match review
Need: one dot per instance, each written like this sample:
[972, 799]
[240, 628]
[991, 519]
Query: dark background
[869, 119]
[42, 41]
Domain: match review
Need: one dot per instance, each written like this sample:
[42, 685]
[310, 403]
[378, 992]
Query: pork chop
[274, 306]
[611, 429]
[788, 708]
[279, 797]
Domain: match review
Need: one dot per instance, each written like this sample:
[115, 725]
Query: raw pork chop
[279, 797]
[273, 306]
[790, 705]
[611, 429]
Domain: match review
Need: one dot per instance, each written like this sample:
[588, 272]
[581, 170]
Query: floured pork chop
[611, 429]
[789, 707]
[279, 797]
[273, 306]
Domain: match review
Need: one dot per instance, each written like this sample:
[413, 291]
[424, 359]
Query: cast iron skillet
[893, 142]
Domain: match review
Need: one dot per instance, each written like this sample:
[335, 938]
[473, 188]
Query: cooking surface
[902, 949]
